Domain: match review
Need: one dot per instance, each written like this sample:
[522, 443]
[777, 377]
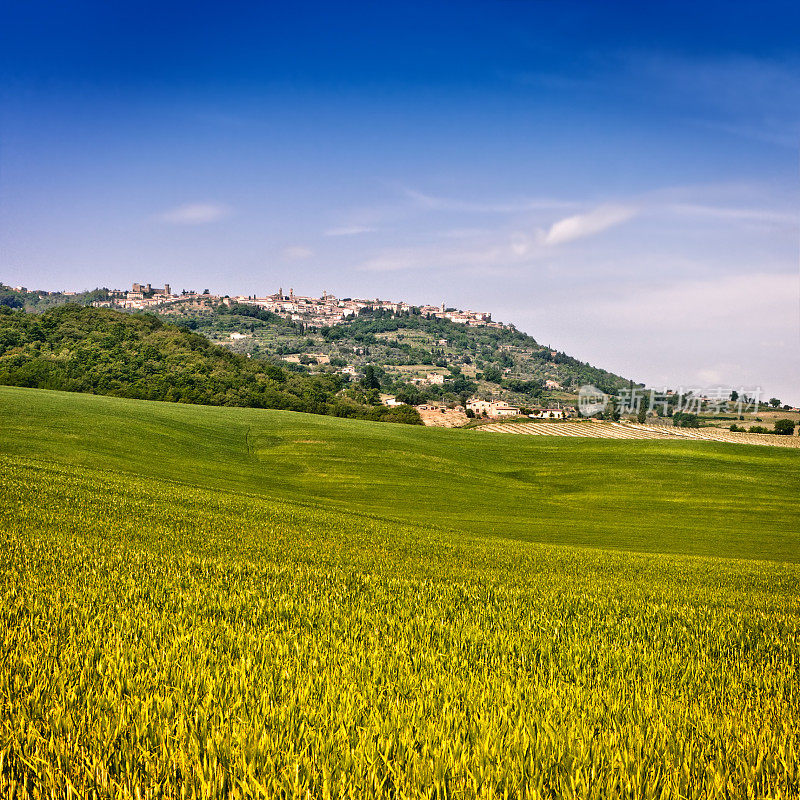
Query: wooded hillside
[100, 351]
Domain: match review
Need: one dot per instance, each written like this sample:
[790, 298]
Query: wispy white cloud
[491, 254]
[349, 230]
[764, 215]
[519, 246]
[195, 214]
[433, 203]
[297, 253]
[464, 233]
[592, 222]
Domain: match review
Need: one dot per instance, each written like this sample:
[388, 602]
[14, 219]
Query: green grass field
[681, 497]
[208, 602]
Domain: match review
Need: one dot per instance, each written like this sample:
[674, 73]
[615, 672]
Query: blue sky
[618, 179]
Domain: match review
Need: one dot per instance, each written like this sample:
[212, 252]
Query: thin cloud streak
[434, 203]
[349, 230]
[743, 214]
[195, 214]
[297, 253]
[485, 255]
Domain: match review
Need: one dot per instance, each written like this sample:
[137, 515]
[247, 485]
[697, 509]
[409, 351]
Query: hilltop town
[313, 311]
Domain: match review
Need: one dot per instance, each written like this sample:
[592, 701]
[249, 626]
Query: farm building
[494, 408]
[548, 413]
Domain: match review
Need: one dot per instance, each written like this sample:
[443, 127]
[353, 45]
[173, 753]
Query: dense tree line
[34, 301]
[101, 351]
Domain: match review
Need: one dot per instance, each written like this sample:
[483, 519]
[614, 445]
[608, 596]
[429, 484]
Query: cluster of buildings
[313, 311]
[460, 317]
[491, 409]
[141, 296]
[431, 379]
[40, 292]
[318, 311]
[498, 408]
[328, 309]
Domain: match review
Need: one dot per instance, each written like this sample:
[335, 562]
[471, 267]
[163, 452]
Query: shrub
[784, 427]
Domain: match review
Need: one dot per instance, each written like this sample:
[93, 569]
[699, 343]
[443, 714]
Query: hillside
[228, 602]
[662, 496]
[417, 356]
[107, 352]
[407, 348]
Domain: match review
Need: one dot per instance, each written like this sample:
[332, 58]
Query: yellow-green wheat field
[164, 641]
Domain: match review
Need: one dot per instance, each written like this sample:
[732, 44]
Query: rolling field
[207, 602]
[687, 497]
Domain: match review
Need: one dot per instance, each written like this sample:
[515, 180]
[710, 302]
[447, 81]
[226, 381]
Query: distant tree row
[781, 427]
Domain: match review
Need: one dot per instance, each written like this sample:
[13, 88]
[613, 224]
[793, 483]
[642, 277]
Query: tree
[370, 379]
[403, 414]
[734, 396]
[410, 395]
[612, 409]
[493, 375]
[774, 402]
[641, 415]
[784, 427]
[10, 301]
